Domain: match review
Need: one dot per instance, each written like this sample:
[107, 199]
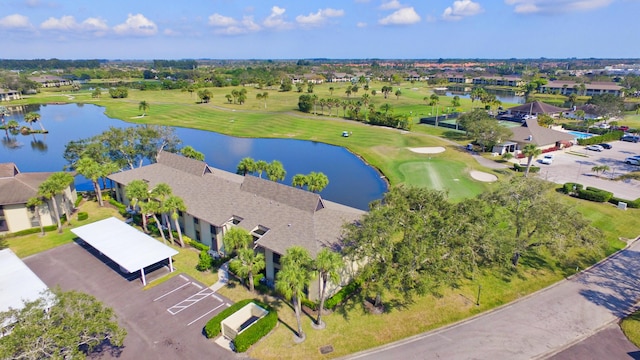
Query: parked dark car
[606, 146]
[630, 138]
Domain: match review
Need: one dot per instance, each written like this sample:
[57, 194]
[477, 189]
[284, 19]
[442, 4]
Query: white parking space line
[174, 290]
[215, 297]
[191, 300]
[205, 314]
[196, 285]
[184, 277]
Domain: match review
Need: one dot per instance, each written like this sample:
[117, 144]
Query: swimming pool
[580, 135]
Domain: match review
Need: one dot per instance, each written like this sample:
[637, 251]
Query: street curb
[497, 309]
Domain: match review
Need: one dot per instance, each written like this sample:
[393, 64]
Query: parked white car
[633, 160]
[594, 147]
[547, 159]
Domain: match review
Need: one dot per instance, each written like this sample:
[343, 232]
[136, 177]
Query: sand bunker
[428, 150]
[483, 176]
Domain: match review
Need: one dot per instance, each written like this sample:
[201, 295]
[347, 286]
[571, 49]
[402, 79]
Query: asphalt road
[537, 326]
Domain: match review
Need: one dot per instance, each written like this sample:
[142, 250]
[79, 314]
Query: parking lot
[575, 164]
[163, 322]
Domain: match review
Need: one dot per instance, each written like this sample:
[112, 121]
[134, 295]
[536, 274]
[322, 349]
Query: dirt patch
[428, 150]
[483, 176]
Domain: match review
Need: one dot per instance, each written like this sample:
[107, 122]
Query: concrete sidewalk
[223, 277]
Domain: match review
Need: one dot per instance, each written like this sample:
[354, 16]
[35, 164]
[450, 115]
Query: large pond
[351, 181]
[507, 97]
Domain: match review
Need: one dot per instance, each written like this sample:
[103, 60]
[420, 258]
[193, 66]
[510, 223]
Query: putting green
[442, 174]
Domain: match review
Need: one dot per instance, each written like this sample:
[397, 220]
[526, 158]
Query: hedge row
[522, 168]
[257, 331]
[30, 231]
[594, 194]
[582, 128]
[249, 336]
[194, 243]
[634, 204]
[337, 298]
[82, 215]
[610, 136]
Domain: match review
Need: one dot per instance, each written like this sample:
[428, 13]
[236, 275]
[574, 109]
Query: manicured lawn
[631, 327]
[383, 148]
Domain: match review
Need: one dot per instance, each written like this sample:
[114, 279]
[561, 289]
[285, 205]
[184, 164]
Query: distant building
[509, 80]
[51, 81]
[589, 89]
[8, 95]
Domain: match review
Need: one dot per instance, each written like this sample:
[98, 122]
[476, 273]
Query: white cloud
[69, 23]
[137, 25]
[555, 6]
[361, 24]
[221, 20]
[275, 20]
[404, 16]
[318, 18]
[244, 26]
[15, 21]
[461, 9]
[390, 5]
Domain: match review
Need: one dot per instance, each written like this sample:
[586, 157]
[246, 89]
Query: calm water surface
[351, 181]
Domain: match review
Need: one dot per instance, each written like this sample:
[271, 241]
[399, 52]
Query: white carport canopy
[128, 247]
[17, 282]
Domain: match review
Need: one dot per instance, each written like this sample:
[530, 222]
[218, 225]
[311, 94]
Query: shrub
[205, 261]
[594, 194]
[82, 215]
[342, 295]
[196, 244]
[522, 168]
[570, 188]
[78, 201]
[634, 204]
[258, 330]
[213, 327]
[310, 304]
[122, 208]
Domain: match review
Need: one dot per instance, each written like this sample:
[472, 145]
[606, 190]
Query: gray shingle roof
[540, 136]
[293, 216]
[535, 108]
[17, 187]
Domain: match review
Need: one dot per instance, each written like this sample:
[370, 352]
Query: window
[196, 221]
[235, 220]
[276, 258]
[212, 230]
[3, 222]
[197, 234]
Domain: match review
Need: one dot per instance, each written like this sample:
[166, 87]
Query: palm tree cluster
[157, 201]
[274, 170]
[247, 262]
[297, 271]
[238, 96]
[314, 181]
[484, 97]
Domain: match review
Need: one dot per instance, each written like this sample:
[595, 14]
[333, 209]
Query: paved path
[610, 343]
[537, 326]
[223, 277]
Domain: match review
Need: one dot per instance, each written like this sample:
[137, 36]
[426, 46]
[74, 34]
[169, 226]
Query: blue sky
[288, 29]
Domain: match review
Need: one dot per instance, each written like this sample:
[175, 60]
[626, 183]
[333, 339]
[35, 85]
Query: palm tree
[34, 203]
[328, 265]
[143, 106]
[264, 97]
[137, 192]
[293, 278]
[385, 107]
[154, 208]
[31, 118]
[248, 263]
[275, 171]
[261, 166]
[159, 194]
[3, 112]
[316, 182]
[331, 89]
[434, 100]
[90, 169]
[365, 99]
[397, 94]
[54, 185]
[530, 151]
[246, 166]
[455, 101]
[299, 180]
[572, 98]
[235, 239]
[174, 204]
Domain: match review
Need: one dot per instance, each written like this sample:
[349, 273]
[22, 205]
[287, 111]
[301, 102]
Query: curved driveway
[536, 326]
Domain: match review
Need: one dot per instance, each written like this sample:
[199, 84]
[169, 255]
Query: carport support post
[144, 281]
[170, 264]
